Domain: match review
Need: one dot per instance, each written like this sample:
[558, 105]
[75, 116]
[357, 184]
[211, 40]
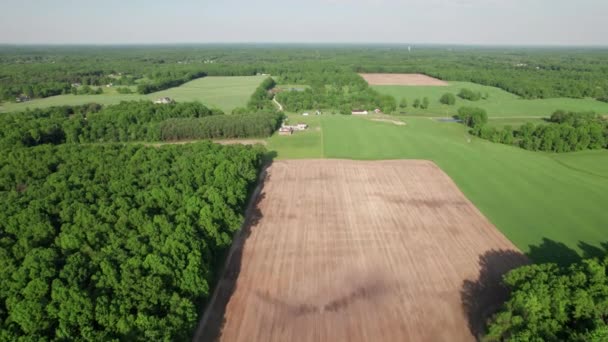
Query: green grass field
[306, 144]
[499, 103]
[529, 196]
[225, 93]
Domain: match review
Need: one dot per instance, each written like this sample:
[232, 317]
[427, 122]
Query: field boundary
[237, 244]
[374, 79]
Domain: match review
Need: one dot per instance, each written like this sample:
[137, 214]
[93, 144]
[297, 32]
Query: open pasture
[402, 80]
[339, 250]
[225, 93]
[529, 196]
[498, 104]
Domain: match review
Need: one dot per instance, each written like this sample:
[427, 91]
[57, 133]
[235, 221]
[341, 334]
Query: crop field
[402, 80]
[339, 250]
[498, 104]
[566, 203]
[225, 93]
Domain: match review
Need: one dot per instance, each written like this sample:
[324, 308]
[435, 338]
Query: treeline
[221, 127]
[261, 97]
[168, 80]
[116, 242]
[331, 88]
[127, 121]
[566, 132]
[554, 303]
[86, 90]
[130, 121]
[528, 72]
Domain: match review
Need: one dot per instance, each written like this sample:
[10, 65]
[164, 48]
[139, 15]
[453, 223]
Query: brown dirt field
[340, 250]
[403, 79]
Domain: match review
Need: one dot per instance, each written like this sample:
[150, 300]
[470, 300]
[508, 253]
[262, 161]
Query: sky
[470, 22]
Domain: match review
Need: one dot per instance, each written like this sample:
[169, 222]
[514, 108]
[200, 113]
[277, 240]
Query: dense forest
[130, 121]
[528, 72]
[258, 125]
[565, 132]
[116, 242]
[554, 303]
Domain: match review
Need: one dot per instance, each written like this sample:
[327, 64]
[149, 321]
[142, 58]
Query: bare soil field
[340, 250]
[403, 79]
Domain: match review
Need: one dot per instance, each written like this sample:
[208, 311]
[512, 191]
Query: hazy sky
[544, 22]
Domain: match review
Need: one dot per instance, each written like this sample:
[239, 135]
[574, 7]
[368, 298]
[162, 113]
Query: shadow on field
[483, 297]
[549, 251]
[212, 322]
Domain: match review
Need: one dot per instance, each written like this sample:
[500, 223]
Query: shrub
[448, 99]
[468, 94]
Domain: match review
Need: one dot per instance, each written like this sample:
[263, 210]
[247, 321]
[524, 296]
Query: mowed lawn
[305, 144]
[498, 104]
[529, 196]
[225, 93]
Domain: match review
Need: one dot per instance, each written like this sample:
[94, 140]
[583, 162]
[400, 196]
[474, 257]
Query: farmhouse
[285, 130]
[164, 100]
[76, 84]
[298, 127]
[359, 112]
[378, 111]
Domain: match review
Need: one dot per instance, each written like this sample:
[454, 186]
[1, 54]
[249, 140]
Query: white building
[359, 112]
[164, 100]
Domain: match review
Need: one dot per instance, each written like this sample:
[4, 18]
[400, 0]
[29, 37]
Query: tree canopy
[116, 242]
[553, 303]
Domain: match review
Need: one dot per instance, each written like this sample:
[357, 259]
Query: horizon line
[540, 45]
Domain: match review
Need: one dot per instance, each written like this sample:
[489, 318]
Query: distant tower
[409, 49]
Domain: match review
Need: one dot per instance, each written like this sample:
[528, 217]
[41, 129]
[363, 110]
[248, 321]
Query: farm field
[511, 186]
[225, 93]
[402, 79]
[334, 243]
[499, 103]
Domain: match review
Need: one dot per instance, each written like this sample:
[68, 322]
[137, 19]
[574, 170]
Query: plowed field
[403, 80]
[340, 250]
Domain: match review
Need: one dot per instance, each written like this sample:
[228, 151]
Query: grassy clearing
[499, 103]
[225, 93]
[306, 144]
[527, 195]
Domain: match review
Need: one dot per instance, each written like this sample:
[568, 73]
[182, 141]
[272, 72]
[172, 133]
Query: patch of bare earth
[217, 141]
[403, 79]
[394, 122]
[339, 250]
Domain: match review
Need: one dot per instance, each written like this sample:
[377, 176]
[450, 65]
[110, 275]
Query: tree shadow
[591, 251]
[213, 319]
[481, 298]
[549, 251]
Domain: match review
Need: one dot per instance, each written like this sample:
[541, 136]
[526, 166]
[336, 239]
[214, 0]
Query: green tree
[448, 99]
[425, 103]
[468, 94]
[403, 103]
[472, 116]
[552, 303]
[416, 103]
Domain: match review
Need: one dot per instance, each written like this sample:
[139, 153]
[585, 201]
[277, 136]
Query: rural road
[274, 99]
